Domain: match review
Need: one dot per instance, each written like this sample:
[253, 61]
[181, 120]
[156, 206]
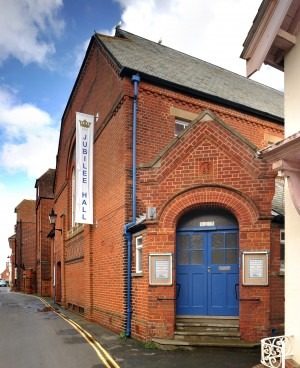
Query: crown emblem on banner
[84, 123]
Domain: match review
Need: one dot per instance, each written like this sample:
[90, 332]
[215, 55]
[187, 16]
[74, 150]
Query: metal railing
[275, 350]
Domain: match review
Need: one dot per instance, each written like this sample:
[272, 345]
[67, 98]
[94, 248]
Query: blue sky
[42, 45]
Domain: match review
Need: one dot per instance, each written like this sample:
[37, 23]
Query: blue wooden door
[207, 273]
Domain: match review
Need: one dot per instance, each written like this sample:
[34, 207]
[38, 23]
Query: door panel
[198, 297]
[184, 289]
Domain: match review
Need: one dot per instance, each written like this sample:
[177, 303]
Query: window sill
[137, 274]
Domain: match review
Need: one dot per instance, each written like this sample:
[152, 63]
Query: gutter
[128, 236]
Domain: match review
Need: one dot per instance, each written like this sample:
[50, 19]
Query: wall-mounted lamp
[52, 220]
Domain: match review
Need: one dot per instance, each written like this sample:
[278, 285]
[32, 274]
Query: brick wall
[157, 113]
[85, 282]
[211, 163]
[44, 247]
[12, 245]
[26, 246]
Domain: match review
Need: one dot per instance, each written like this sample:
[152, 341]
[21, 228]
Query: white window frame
[139, 254]
[183, 123]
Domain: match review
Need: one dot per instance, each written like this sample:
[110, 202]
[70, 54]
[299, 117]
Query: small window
[282, 250]
[138, 254]
[180, 126]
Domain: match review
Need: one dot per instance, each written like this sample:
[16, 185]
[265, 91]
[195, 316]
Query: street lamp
[52, 219]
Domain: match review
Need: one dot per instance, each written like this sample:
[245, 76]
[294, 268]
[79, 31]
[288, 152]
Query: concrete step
[206, 336]
[205, 329]
[207, 320]
[194, 327]
[170, 344]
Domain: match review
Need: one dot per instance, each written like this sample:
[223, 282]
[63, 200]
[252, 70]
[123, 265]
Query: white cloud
[29, 142]
[34, 156]
[213, 31]
[26, 27]
[31, 138]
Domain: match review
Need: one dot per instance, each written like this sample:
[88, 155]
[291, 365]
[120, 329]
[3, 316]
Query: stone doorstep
[170, 344]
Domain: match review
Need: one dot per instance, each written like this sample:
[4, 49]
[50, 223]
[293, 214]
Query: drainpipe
[128, 236]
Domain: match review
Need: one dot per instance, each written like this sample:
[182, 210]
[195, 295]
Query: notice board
[160, 269]
[255, 268]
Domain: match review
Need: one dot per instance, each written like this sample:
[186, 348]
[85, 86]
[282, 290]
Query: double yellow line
[102, 354]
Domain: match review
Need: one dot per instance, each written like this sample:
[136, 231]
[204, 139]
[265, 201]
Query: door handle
[208, 269]
[178, 287]
[236, 287]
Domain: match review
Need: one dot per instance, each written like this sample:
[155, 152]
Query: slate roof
[132, 53]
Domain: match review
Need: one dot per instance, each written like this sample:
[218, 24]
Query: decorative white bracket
[275, 350]
[291, 170]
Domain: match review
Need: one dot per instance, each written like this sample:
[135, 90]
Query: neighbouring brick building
[13, 275]
[44, 204]
[171, 241]
[5, 273]
[25, 247]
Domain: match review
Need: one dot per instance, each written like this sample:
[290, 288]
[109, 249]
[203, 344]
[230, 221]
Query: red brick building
[44, 204]
[12, 246]
[181, 201]
[25, 247]
[5, 273]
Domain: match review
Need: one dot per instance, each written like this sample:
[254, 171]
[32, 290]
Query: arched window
[71, 175]
[73, 198]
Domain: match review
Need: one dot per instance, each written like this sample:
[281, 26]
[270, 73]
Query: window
[282, 251]
[139, 254]
[180, 126]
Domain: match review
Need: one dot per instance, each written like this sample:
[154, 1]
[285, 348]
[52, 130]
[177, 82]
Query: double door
[207, 273]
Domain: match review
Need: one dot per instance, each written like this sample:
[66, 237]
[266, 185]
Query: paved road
[34, 337]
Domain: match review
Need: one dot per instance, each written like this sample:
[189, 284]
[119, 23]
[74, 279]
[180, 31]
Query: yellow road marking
[103, 355]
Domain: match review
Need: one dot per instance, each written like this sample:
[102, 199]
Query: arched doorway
[207, 263]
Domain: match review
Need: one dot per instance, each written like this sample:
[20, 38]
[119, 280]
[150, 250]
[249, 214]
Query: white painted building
[274, 39]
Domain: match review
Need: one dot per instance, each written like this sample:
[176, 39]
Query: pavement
[127, 352]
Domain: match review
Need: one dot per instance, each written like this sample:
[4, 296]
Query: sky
[42, 46]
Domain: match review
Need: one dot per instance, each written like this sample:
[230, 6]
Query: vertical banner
[84, 168]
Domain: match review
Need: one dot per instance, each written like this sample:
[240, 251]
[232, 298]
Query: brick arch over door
[236, 202]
